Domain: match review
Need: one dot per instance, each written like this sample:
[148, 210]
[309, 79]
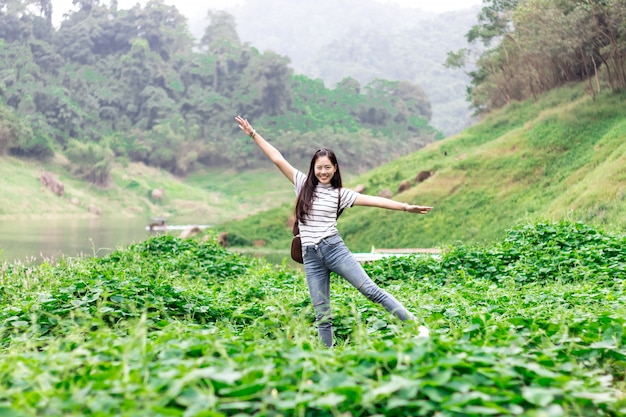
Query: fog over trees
[370, 80]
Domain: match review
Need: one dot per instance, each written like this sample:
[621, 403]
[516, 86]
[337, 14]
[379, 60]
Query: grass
[209, 198]
[531, 325]
[248, 191]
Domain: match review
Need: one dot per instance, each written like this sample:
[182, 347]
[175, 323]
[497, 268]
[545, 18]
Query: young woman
[320, 198]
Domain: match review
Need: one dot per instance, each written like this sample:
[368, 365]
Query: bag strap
[339, 210]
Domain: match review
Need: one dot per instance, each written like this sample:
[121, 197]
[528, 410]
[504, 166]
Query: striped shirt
[322, 220]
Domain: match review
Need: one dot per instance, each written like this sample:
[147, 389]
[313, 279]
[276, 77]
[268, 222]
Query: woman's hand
[245, 126]
[417, 209]
[269, 150]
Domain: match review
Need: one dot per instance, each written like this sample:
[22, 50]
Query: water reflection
[36, 240]
[24, 239]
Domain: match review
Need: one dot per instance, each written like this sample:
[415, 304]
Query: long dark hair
[305, 198]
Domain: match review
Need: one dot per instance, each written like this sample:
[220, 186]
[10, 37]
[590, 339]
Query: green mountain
[111, 85]
[366, 40]
[560, 157]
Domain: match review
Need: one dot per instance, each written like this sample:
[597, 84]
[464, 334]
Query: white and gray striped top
[322, 220]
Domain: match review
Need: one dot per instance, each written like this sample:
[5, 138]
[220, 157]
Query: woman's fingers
[420, 209]
[244, 124]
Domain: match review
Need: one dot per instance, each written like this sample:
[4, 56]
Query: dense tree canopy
[132, 84]
[366, 40]
[536, 45]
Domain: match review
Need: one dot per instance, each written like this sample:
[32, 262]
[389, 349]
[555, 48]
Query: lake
[25, 239]
[34, 240]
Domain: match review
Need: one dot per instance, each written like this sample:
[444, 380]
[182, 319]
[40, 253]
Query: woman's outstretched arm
[269, 150]
[386, 203]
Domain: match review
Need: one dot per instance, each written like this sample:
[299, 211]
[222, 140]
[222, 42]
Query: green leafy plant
[185, 327]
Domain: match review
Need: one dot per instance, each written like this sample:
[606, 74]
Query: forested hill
[365, 40]
[113, 85]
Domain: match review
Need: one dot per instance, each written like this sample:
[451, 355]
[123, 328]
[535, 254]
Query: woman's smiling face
[324, 170]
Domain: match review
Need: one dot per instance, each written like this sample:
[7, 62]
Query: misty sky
[193, 7]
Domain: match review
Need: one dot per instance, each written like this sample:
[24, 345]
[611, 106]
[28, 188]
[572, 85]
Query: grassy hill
[561, 157]
[206, 198]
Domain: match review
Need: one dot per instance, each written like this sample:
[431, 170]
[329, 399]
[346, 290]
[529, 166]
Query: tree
[163, 27]
[220, 36]
[609, 17]
[542, 44]
[349, 85]
[90, 161]
[267, 80]
[12, 129]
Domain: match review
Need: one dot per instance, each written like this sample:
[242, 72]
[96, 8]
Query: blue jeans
[332, 255]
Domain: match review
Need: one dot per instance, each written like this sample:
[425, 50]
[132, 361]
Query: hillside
[207, 198]
[563, 156]
[366, 40]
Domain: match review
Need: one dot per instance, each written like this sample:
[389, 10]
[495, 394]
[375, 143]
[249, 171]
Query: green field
[533, 325]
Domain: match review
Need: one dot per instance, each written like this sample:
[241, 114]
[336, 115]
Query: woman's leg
[318, 281]
[339, 260]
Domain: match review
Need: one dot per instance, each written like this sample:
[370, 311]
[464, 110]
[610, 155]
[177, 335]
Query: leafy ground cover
[533, 325]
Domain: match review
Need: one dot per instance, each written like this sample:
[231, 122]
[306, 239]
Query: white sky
[435, 5]
[192, 7]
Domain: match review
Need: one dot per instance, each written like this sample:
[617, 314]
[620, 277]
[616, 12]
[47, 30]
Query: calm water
[51, 238]
[36, 240]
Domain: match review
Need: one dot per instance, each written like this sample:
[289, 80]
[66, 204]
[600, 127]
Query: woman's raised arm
[386, 203]
[269, 150]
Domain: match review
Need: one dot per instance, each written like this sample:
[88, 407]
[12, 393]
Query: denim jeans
[332, 255]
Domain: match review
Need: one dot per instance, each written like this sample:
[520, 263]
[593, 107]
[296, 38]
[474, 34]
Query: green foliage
[97, 289]
[19, 139]
[91, 162]
[530, 253]
[535, 46]
[131, 74]
[168, 145]
[180, 327]
[12, 129]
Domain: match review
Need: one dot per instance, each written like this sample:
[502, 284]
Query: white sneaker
[423, 332]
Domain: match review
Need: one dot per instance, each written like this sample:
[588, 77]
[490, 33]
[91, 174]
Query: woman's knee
[373, 292]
